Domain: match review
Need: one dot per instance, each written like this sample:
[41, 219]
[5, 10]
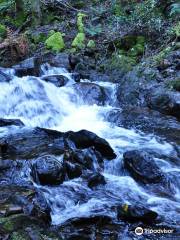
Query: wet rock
[96, 180]
[6, 164]
[57, 80]
[133, 213]
[73, 170]
[90, 93]
[87, 158]
[23, 144]
[165, 102]
[148, 121]
[20, 207]
[86, 139]
[48, 170]
[142, 167]
[28, 67]
[4, 77]
[9, 122]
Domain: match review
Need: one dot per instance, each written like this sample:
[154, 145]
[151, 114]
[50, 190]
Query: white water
[38, 103]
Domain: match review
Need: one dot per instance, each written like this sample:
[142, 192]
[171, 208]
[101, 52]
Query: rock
[60, 60]
[73, 170]
[87, 158]
[133, 213]
[148, 121]
[164, 102]
[96, 180]
[90, 93]
[30, 66]
[57, 80]
[24, 205]
[9, 122]
[4, 77]
[85, 139]
[142, 167]
[48, 170]
[23, 144]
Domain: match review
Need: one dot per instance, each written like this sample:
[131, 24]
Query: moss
[161, 55]
[55, 42]
[78, 42]
[91, 44]
[80, 24]
[3, 31]
[175, 84]
[121, 62]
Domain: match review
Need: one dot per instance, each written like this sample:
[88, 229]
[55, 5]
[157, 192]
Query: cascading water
[40, 103]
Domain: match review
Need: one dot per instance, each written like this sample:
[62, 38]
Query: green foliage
[147, 16]
[3, 31]
[121, 62]
[94, 30]
[55, 42]
[78, 42]
[161, 55]
[91, 44]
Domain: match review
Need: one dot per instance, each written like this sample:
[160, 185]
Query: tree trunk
[36, 11]
[19, 6]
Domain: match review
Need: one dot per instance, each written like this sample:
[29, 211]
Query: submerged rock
[57, 80]
[95, 180]
[9, 122]
[90, 93]
[4, 77]
[142, 167]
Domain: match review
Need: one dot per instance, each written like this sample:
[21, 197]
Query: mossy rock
[78, 42]
[80, 24]
[55, 42]
[3, 31]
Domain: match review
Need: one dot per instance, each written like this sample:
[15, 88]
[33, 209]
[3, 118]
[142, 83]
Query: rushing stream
[39, 103]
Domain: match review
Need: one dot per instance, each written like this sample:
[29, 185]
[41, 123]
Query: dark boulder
[30, 143]
[85, 139]
[48, 170]
[90, 93]
[9, 122]
[95, 180]
[60, 60]
[28, 67]
[133, 213]
[142, 167]
[164, 102]
[57, 80]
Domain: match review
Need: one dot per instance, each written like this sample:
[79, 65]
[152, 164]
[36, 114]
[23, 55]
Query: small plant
[55, 42]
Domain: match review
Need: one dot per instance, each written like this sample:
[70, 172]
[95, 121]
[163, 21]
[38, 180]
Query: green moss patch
[55, 42]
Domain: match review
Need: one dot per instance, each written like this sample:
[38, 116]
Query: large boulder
[48, 170]
[85, 139]
[142, 167]
[165, 102]
[90, 93]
